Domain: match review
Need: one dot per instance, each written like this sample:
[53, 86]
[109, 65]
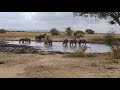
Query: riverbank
[57, 66]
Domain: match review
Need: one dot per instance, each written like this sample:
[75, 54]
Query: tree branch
[115, 17]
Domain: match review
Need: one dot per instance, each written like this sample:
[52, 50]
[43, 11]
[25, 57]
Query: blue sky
[48, 20]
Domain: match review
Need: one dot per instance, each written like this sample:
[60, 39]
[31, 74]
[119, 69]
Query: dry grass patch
[80, 54]
[94, 65]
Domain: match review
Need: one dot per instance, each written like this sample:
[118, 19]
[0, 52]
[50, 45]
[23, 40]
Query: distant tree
[69, 31]
[79, 32]
[89, 31]
[54, 31]
[2, 31]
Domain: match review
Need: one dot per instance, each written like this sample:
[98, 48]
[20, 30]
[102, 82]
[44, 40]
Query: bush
[69, 31]
[2, 31]
[54, 31]
[89, 31]
[79, 32]
[110, 40]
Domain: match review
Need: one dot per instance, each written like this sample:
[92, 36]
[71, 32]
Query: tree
[54, 31]
[79, 32]
[113, 17]
[2, 31]
[89, 31]
[69, 31]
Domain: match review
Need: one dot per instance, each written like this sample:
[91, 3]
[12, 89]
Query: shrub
[54, 31]
[110, 40]
[89, 31]
[79, 32]
[2, 31]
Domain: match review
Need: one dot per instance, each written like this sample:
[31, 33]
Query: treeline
[4, 31]
[16, 31]
[69, 31]
[55, 31]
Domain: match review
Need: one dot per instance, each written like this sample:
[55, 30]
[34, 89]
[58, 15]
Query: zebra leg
[29, 41]
[79, 43]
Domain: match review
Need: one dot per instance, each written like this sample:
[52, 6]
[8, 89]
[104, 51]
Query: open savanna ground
[57, 66]
[17, 35]
[61, 36]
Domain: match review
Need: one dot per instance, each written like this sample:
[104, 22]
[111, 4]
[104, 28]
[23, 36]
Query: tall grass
[116, 53]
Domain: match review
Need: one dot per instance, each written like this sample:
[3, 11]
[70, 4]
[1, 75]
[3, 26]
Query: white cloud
[48, 20]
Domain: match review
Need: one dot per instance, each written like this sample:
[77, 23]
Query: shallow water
[57, 46]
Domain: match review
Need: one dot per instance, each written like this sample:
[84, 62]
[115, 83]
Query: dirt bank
[56, 66]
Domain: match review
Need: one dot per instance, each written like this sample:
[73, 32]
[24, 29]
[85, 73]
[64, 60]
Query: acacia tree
[69, 31]
[79, 32]
[89, 31]
[113, 17]
[54, 31]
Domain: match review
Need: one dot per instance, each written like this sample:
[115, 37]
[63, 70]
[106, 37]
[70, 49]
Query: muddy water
[57, 46]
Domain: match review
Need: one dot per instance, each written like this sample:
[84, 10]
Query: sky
[48, 20]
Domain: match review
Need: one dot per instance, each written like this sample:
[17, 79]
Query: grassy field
[17, 35]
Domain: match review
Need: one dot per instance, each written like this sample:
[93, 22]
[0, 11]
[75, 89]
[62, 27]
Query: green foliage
[92, 14]
[2, 31]
[89, 31]
[69, 31]
[114, 17]
[79, 32]
[54, 31]
[109, 38]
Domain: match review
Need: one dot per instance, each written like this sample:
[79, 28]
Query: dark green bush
[54, 31]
